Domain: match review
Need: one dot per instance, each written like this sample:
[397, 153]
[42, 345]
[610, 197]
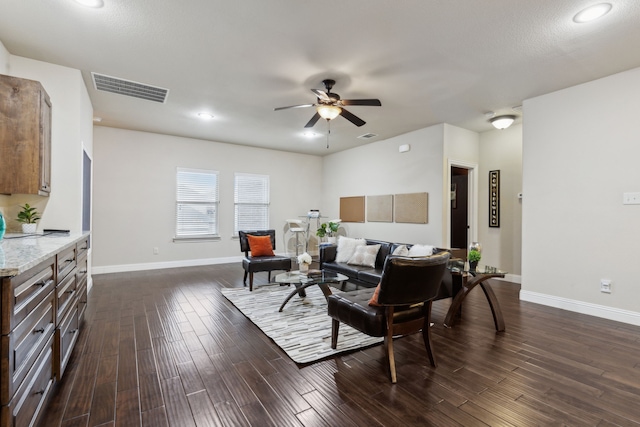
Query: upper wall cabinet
[25, 137]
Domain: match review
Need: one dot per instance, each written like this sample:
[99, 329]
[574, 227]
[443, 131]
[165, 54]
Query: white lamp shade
[329, 112]
[502, 122]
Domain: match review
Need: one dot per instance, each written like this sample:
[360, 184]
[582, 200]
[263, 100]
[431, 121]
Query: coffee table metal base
[301, 287]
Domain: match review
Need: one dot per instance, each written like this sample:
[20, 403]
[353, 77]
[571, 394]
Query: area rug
[303, 328]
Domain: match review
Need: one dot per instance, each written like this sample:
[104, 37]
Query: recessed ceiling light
[592, 12]
[205, 116]
[97, 119]
[91, 3]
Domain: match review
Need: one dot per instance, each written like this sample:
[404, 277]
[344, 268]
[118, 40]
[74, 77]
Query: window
[251, 194]
[196, 203]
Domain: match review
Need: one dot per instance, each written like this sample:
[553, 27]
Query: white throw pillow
[401, 250]
[421, 250]
[346, 248]
[365, 256]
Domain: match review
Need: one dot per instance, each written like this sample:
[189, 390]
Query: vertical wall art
[494, 198]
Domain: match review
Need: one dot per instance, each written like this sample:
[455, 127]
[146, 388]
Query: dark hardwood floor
[165, 348]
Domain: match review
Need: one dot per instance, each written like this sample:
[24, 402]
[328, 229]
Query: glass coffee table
[302, 281]
[471, 279]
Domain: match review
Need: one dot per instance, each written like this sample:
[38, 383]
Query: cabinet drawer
[82, 247]
[24, 344]
[66, 262]
[22, 293]
[82, 271]
[32, 395]
[82, 302]
[65, 296]
[66, 336]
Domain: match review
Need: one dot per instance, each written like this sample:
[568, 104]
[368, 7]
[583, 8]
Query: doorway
[459, 218]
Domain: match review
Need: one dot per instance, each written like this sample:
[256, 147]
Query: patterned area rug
[303, 329]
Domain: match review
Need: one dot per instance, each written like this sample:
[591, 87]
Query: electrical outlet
[605, 286]
[156, 251]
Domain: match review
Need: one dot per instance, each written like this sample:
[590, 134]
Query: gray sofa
[370, 277]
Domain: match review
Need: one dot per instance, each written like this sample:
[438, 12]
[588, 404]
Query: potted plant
[28, 216]
[304, 261]
[327, 229]
[474, 257]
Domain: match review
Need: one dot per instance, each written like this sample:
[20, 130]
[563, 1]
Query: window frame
[265, 202]
[181, 201]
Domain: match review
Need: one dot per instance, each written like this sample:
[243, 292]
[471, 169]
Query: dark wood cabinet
[41, 314]
[25, 137]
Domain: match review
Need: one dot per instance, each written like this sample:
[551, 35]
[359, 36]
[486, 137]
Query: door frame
[472, 206]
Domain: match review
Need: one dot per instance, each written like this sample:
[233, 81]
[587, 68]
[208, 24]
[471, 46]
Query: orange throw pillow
[260, 245]
[374, 298]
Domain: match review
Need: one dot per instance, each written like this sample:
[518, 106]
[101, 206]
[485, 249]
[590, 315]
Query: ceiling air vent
[129, 88]
[368, 136]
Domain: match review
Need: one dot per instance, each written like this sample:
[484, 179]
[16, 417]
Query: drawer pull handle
[38, 331]
[83, 272]
[38, 392]
[71, 291]
[73, 332]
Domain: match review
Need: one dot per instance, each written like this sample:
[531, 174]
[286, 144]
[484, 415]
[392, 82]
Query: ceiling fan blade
[370, 102]
[294, 106]
[313, 120]
[321, 94]
[352, 118]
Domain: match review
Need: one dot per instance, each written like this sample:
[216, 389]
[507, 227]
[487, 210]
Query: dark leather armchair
[254, 264]
[406, 291]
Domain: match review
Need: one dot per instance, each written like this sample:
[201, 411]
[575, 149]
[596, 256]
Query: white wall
[501, 150]
[71, 129]
[580, 153]
[378, 169]
[135, 190]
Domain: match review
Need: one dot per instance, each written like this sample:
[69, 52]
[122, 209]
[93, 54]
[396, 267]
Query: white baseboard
[616, 314]
[123, 268]
[514, 278]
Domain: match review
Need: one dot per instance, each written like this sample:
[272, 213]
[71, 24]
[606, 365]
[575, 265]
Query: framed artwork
[380, 208]
[352, 209]
[494, 198]
[411, 208]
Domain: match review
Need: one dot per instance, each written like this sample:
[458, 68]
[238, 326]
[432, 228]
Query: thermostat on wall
[404, 148]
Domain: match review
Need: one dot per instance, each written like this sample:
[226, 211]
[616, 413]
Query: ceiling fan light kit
[329, 112]
[502, 122]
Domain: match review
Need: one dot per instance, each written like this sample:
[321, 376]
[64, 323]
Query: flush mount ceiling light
[592, 12]
[205, 116]
[502, 122]
[91, 3]
[309, 134]
[329, 112]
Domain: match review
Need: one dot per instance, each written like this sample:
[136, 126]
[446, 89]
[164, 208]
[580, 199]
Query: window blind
[196, 203]
[251, 195]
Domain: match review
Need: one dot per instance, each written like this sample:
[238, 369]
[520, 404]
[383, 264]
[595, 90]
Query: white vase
[304, 268]
[331, 240]
[29, 228]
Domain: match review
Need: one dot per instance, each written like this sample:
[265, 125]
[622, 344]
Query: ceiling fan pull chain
[328, 132]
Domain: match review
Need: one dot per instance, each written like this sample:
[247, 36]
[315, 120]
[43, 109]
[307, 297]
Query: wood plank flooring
[165, 348]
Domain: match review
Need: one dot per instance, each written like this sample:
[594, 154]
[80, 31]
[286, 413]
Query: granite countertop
[20, 252]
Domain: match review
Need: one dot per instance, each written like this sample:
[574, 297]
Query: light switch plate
[631, 198]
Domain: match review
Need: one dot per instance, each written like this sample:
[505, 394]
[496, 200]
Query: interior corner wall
[70, 130]
[379, 168]
[134, 199]
[4, 59]
[501, 150]
[580, 154]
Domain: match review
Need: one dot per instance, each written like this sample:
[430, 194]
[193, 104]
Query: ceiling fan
[329, 105]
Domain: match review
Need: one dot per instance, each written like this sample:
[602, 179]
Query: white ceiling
[428, 61]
